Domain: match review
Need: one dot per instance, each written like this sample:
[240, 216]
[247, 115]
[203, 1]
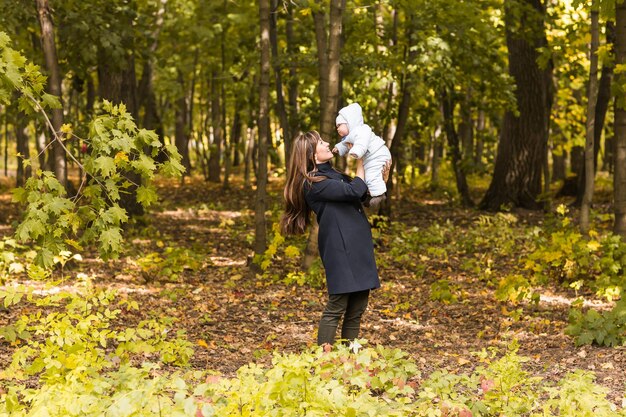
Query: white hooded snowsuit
[367, 145]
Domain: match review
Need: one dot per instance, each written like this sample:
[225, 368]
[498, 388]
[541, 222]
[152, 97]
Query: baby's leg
[373, 166]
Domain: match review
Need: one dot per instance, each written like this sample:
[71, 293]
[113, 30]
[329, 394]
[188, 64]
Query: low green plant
[290, 256]
[563, 255]
[168, 264]
[606, 328]
[578, 396]
[80, 335]
[516, 288]
[444, 291]
[345, 380]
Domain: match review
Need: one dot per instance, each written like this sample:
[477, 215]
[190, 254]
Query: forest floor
[235, 317]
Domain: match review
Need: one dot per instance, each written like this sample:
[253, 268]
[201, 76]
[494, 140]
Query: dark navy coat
[345, 238]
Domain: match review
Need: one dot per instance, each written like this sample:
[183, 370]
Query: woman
[344, 239]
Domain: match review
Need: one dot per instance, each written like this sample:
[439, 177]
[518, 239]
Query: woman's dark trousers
[351, 306]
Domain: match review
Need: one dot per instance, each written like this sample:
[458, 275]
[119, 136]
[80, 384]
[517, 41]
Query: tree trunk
[397, 143]
[329, 89]
[6, 141]
[466, 130]
[216, 145]
[260, 228]
[23, 171]
[40, 144]
[523, 141]
[181, 135]
[292, 84]
[235, 135]
[391, 86]
[118, 84]
[281, 109]
[319, 21]
[151, 118]
[54, 86]
[602, 105]
[619, 147]
[249, 156]
[592, 94]
[559, 166]
[453, 141]
[480, 138]
[435, 159]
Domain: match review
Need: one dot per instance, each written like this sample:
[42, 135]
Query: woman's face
[322, 152]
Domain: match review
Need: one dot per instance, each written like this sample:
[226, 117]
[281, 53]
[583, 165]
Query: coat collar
[324, 168]
[327, 170]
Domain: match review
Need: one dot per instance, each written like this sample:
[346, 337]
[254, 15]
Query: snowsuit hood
[353, 115]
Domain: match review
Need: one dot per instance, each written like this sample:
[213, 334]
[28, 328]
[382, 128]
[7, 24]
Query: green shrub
[602, 328]
[563, 255]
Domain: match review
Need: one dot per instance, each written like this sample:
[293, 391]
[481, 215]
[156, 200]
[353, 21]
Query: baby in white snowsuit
[365, 144]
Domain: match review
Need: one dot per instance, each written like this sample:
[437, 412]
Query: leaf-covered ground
[235, 317]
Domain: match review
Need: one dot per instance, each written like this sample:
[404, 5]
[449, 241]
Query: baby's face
[343, 130]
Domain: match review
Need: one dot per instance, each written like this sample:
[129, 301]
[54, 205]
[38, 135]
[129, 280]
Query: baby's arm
[342, 147]
[359, 147]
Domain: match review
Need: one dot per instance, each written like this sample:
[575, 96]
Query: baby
[364, 144]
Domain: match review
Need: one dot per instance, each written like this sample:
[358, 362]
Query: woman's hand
[386, 169]
[360, 170]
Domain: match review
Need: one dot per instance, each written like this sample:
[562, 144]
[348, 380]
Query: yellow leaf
[66, 128]
[121, 156]
[593, 245]
[202, 343]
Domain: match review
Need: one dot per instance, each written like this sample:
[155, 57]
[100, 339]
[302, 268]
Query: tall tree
[453, 141]
[328, 53]
[216, 146]
[602, 105]
[281, 109]
[591, 119]
[523, 141]
[54, 86]
[619, 176]
[260, 228]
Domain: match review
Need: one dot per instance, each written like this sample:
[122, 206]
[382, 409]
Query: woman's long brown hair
[301, 170]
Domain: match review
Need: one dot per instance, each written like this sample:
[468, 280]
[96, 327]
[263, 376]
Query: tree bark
[329, 89]
[447, 106]
[602, 105]
[260, 228]
[481, 125]
[435, 159]
[466, 130]
[592, 94]
[397, 143]
[523, 141]
[54, 86]
[23, 171]
[619, 176]
[118, 84]
[181, 134]
[281, 109]
[292, 84]
[216, 146]
[558, 166]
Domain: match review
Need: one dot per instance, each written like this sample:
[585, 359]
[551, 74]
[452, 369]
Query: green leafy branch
[54, 221]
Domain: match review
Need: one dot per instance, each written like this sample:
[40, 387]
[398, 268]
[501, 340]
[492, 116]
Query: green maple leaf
[146, 195]
[110, 240]
[106, 165]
